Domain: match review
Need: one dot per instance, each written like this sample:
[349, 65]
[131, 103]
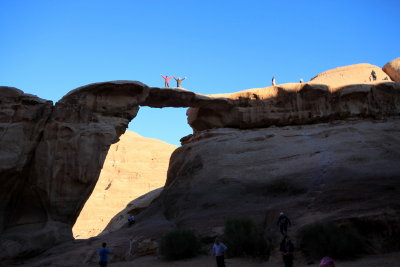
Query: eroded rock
[393, 69]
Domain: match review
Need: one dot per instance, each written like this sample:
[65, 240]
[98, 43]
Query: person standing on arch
[179, 81]
[166, 79]
[273, 81]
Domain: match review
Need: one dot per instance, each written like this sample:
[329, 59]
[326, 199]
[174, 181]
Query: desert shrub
[179, 244]
[243, 238]
[328, 239]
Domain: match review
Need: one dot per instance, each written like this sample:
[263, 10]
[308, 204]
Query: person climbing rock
[131, 220]
[287, 250]
[103, 253]
[166, 79]
[273, 81]
[373, 75]
[179, 81]
[283, 222]
[218, 250]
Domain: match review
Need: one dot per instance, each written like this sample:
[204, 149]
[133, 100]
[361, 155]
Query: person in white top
[218, 251]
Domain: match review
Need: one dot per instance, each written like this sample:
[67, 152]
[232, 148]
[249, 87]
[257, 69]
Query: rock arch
[52, 155]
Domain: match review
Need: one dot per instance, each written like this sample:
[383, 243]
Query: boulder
[393, 69]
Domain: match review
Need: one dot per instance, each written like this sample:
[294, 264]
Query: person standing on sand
[273, 81]
[179, 81]
[283, 222]
[103, 253]
[166, 80]
[287, 250]
[218, 251]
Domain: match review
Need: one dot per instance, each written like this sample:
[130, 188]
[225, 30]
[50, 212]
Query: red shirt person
[166, 80]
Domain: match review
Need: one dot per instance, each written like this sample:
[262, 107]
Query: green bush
[243, 238]
[328, 239]
[179, 244]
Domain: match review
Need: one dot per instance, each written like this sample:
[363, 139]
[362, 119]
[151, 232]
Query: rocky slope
[52, 179]
[133, 166]
[343, 171]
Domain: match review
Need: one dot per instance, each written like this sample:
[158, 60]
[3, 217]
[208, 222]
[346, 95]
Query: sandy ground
[392, 259]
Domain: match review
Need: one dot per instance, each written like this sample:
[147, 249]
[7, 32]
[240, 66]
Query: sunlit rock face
[352, 74]
[299, 103]
[393, 69]
[133, 166]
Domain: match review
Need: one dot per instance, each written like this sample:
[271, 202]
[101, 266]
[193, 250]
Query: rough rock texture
[61, 150]
[133, 166]
[53, 155]
[298, 103]
[135, 207]
[344, 171]
[352, 74]
[22, 120]
[393, 69]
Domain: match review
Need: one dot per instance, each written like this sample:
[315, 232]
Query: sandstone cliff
[133, 166]
[343, 171]
[61, 149]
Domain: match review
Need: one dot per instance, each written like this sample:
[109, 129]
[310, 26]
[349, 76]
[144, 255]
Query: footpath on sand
[390, 259]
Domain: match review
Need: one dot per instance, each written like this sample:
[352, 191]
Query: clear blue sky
[48, 48]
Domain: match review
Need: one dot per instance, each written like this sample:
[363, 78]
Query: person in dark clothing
[373, 75]
[179, 81]
[283, 222]
[287, 250]
[103, 253]
[131, 220]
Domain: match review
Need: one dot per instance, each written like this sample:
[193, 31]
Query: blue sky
[48, 48]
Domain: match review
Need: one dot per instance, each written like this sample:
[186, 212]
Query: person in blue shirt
[218, 251]
[103, 253]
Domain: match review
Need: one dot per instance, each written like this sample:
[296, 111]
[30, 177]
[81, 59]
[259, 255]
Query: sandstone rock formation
[393, 69]
[133, 208]
[60, 151]
[53, 155]
[343, 171]
[133, 166]
[352, 74]
[298, 103]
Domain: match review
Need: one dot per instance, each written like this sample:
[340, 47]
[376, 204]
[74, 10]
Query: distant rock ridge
[51, 156]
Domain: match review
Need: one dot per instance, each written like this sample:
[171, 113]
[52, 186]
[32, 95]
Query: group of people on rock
[168, 78]
[179, 80]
